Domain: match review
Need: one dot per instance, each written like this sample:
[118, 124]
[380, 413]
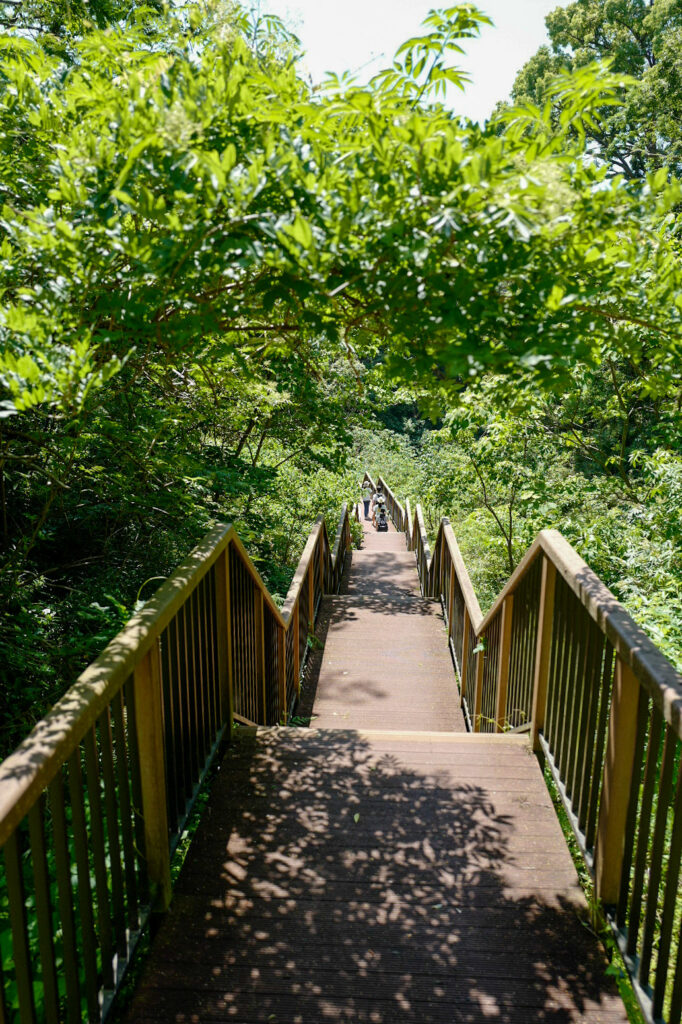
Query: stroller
[381, 516]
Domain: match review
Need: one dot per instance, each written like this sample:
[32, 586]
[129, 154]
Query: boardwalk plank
[386, 662]
[427, 909]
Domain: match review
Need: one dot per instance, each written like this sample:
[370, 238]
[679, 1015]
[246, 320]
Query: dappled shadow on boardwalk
[342, 877]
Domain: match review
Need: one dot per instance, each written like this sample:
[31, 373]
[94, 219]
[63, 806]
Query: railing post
[149, 726]
[615, 795]
[441, 563]
[542, 650]
[311, 597]
[224, 629]
[259, 648]
[465, 657]
[295, 625]
[503, 661]
[451, 601]
[478, 694]
[282, 673]
[323, 564]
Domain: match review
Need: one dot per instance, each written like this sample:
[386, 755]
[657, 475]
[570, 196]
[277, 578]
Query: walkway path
[386, 661]
[364, 876]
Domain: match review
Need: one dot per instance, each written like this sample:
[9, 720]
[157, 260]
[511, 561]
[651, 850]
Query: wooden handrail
[651, 667]
[301, 570]
[470, 599]
[29, 769]
[408, 526]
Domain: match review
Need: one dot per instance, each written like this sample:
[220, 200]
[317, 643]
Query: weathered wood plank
[306, 898]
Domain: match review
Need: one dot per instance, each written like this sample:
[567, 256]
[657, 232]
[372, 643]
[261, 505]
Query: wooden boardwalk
[386, 662]
[378, 876]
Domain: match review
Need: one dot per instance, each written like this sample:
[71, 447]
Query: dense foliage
[216, 282]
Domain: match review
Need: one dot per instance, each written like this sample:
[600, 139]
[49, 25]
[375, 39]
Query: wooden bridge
[385, 864]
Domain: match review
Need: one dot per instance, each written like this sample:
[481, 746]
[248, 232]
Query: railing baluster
[125, 810]
[641, 856]
[663, 795]
[669, 904]
[478, 693]
[186, 686]
[465, 657]
[104, 924]
[259, 654]
[172, 740]
[296, 625]
[200, 674]
[224, 638]
[136, 789]
[282, 673]
[21, 957]
[311, 598]
[586, 747]
[65, 898]
[44, 909]
[111, 817]
[503, 662]
[89, 947]
[4, 1015]
[675, 1014]
[599, 762]
[579, 671]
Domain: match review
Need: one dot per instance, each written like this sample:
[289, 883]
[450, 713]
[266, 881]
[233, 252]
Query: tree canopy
[180, 185]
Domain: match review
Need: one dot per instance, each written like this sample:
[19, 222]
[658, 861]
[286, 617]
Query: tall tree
[639, 38]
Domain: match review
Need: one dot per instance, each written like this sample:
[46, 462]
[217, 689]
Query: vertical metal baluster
[80, 842]
[672, 894]
[44, 909]
[199, 660]
[503, 652]
[21, 955]
[65, 897]
[543, 651]
[136, 787]
[125, 811]
[586, 727]
[598, 766]
[664, 794]
[223, 628]
[212, 692]
[173, 759]
[650, 773]
[99, 857]
[111, 812]
[4, 1014]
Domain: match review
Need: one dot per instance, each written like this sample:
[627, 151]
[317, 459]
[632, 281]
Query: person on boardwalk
[366, 496]
[377, 500]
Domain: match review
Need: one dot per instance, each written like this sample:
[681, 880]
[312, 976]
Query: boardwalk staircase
[400, 860]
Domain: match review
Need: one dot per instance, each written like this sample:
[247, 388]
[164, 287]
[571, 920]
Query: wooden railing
[94, 801]
[559, 656]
